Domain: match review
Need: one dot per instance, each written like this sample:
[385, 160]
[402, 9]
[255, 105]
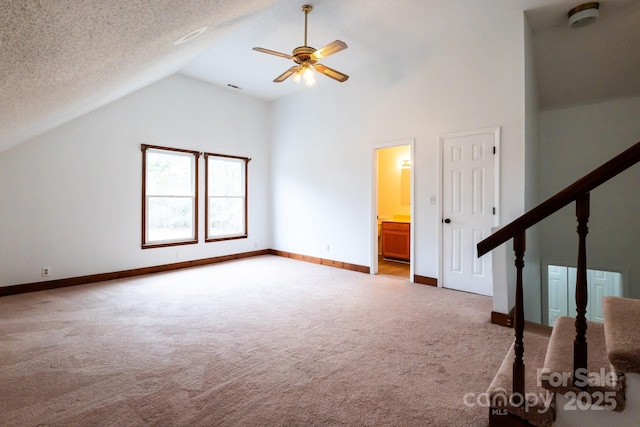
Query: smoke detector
[584, 14]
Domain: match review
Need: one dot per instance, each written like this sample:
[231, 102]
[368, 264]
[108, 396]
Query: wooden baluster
[519, 247]
[580, 343]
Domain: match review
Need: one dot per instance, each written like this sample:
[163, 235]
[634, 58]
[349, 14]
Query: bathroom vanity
[396, 240]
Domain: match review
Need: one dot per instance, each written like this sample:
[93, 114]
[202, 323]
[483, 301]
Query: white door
[558, 292]
[599, 285]
[468, 208]
[602, 283]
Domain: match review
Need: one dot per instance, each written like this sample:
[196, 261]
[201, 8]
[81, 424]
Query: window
[169, 196]
[226, 193]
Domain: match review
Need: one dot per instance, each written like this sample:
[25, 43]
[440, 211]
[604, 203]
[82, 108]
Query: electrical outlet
[46, 271]
[328, 248]
[432, 200]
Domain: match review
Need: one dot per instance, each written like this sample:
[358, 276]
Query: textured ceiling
[61, 59]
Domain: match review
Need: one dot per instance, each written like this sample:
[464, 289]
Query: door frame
[496, 186]
[374, 203]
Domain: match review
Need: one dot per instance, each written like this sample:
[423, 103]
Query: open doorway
[393, 208]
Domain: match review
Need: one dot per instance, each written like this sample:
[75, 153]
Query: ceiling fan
[307, 58]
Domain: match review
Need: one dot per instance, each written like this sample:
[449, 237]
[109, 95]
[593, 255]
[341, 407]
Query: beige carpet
[262, 341]
[559, 359]
[537, 412]
[621, 326]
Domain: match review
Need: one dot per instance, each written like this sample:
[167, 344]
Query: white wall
[532, 275]
[574, 141]
[71, 198]
[322, 138]
[73, 212]
[503, 265]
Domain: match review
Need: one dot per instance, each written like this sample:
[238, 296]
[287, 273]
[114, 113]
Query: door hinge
[494, 149]
[494, 210]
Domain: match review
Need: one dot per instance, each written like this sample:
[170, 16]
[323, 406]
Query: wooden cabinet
[396, 240]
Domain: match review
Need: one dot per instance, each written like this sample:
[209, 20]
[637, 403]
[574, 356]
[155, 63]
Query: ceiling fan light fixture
[310, 81]
[307, 57]
[584, 14]
[305, 71]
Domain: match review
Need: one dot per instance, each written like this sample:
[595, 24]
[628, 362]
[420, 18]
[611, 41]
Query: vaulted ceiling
[597, 62]
[62, 59]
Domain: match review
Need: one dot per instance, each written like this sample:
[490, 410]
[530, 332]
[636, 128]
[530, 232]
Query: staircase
[608, 393]
[585, 373]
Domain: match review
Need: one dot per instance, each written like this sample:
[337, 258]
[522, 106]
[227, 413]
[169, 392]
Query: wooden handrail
[584, 185]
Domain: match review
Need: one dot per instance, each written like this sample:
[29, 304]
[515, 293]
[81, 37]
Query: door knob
[447, 221]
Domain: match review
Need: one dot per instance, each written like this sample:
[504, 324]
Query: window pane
[169, 174]
[226, 177]
[170, 218]
[226, 216]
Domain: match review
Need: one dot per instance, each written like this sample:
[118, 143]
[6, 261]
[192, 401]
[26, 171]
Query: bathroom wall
[394, 182]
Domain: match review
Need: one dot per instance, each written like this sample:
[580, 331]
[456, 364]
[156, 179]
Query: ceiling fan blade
[330, 49]
[284, 76]
[330, 72]
[272, 52]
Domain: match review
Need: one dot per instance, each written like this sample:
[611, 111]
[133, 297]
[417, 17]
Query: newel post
[580, 343]
[519, 247]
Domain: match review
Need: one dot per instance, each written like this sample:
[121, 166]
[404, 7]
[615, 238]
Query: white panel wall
[322, 138]
[574, 141]
[71, 198]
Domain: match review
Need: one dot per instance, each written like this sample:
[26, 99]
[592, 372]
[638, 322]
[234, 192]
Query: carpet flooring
[264, 341]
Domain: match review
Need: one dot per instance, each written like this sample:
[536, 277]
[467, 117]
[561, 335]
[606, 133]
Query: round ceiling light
[192, 35]
[584, 14]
